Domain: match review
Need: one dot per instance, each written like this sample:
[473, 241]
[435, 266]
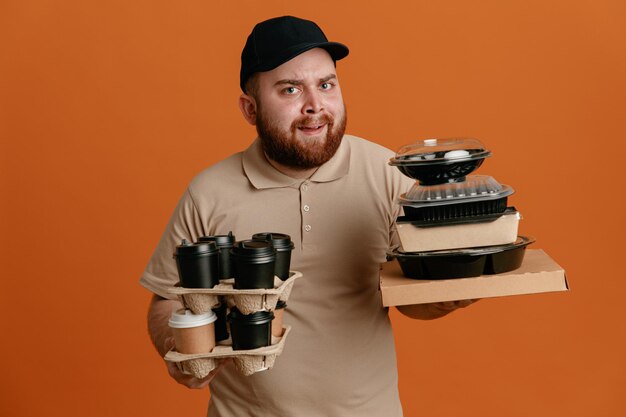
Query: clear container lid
[474, 187]
[437, 151]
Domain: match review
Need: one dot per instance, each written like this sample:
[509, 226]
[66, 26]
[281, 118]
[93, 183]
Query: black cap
[276, 41]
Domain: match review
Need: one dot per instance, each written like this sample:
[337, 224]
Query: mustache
[313, 121]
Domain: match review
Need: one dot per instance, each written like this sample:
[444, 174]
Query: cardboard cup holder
[247, 362]
[201, 300]
[248, 301]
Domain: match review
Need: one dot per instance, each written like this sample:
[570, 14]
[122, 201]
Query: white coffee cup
[193, 333]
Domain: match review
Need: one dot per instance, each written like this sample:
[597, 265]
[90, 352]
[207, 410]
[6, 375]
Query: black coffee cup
[250, 331]
[224, 243]
[253, 264]
[283, 245]
[197, 264]
[221, 328]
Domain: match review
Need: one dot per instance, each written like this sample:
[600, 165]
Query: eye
[326, 86]
[290, 90]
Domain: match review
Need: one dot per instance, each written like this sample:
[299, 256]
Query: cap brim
[336, 50]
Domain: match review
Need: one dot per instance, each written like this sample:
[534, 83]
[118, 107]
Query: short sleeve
[185, 223]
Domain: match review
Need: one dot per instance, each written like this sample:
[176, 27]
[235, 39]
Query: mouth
[313, 129]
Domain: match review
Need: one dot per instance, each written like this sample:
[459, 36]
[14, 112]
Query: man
[335, 196]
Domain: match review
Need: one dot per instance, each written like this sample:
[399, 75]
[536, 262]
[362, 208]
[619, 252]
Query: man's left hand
[433, 310]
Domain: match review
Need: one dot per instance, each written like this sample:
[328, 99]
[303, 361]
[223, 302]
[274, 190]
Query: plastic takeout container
[463, 263]
[474, 186]
[457, 214]
[438, 161]
[479, 195]
[462, 211]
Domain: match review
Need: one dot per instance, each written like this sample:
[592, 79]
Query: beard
[287, 149]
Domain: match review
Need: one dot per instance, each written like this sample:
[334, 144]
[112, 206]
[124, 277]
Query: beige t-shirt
[339, 359]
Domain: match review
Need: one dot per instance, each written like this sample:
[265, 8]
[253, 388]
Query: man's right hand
[191, 381]
[161, 335]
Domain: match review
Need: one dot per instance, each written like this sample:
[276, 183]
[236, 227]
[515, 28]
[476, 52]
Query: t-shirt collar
[263, 175]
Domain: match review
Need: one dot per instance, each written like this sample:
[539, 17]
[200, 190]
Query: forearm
[422, 311]
[158, 316]
[432, 311]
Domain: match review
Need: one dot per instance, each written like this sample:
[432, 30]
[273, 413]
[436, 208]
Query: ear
[247, 105]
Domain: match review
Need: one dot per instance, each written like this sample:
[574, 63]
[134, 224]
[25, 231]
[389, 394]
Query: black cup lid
[278, 240]
[187, 248]
[259, 316]
[253, 248]
[220, 240]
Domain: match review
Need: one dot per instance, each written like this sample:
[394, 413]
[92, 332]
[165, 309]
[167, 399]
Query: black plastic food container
[224, 243]
[442, 266]
[478, 195]
[506, 260]
[440, 173]
[253, 264]
[463, 263]
[458, 212]
[283, 245]
[440, 161]
[197, 264]
[250, 331]
[221, 325]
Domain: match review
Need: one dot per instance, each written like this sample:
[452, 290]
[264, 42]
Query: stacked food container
[455, 225]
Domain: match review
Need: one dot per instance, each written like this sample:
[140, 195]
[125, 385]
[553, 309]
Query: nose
[313, 102]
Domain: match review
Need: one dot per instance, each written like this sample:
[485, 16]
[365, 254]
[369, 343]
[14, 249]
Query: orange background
[109, 108]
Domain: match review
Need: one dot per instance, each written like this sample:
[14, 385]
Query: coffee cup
[221, 324]
[283, 245]
[277, 323]
[253, 264]
[250, 331]
[197, 264]
[193, 333]
[223, 243]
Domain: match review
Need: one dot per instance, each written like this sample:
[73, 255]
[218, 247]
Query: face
[300, 114]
